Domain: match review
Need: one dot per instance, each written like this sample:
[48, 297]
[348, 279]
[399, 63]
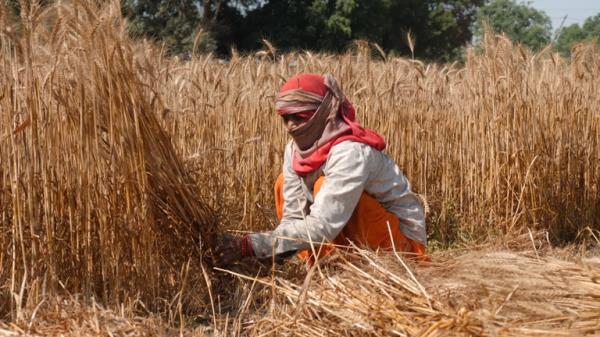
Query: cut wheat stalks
[484, 293]
[480, 293]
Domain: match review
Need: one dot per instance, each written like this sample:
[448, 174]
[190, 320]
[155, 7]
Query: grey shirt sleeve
[391, 188]
[346, 172]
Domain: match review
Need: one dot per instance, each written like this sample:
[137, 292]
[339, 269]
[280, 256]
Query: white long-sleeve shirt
[351, 169]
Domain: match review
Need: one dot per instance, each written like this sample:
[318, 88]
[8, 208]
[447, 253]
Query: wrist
[246, 248]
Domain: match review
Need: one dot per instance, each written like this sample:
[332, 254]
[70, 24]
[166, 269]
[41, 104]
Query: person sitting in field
[337, 185]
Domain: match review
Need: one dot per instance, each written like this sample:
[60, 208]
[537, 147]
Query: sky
[575, 10]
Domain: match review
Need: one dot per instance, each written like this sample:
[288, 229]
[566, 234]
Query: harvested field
[119, 164]
[488, 292]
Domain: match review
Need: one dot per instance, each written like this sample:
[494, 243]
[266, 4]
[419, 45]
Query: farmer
[337, 185]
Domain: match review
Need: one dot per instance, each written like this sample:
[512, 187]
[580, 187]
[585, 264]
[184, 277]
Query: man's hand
[230, 249]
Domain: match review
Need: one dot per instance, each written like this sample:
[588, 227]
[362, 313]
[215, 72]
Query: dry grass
[488, 292]
[69, 317]
[471, 294]
[115, 162]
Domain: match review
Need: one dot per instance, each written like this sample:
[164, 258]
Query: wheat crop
[118, 164]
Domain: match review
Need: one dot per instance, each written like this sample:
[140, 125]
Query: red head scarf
[332, 120]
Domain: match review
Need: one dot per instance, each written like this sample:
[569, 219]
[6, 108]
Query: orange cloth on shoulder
[367, 227]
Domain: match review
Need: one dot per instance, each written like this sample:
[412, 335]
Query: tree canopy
[172, 22]
[569, 36]
[519, 21]
[441, 27]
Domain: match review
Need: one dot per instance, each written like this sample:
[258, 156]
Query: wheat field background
[119, 164]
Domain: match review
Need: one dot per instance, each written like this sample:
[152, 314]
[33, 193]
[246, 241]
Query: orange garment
[367, 227]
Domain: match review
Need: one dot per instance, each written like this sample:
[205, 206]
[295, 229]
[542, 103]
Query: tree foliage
[176, 23]
[569, 36]
[441, 27]
[519, 21]
[450, 25]
[172, 22]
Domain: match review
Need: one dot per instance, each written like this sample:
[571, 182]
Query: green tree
[171, 22]
[591, 26]
[176, 22]
[299, 24]
[569, 36]
[449, 27]
[520, 22]
[441, 27]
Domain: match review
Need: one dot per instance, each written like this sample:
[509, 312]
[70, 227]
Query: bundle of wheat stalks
[93, 197]
[115, 161]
